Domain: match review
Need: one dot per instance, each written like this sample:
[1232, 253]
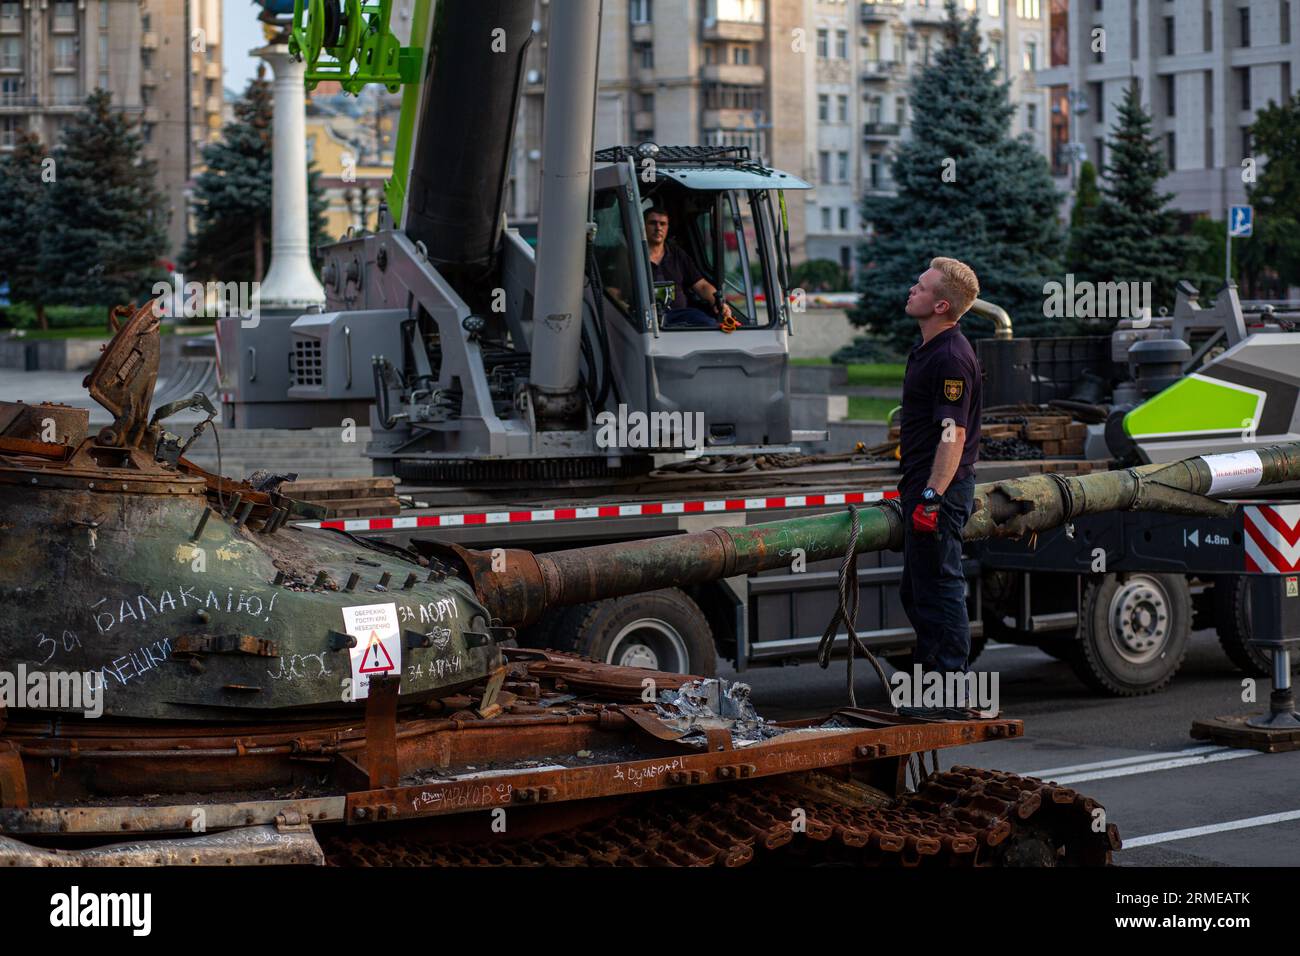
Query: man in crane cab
[939, 438]
[672, 264]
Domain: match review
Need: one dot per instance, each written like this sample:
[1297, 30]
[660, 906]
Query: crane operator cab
[691, 257]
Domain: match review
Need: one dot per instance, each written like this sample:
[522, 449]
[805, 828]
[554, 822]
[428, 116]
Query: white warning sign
[379, 644]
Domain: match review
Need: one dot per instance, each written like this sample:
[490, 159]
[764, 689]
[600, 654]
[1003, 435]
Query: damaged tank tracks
[215, 629]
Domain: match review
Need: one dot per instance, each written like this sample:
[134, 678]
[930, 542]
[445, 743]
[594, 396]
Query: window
[900, 110]
[103, 50]
[65, 17]
[146, 132]
[10, 87]
[823, 108]
[1246, 144]
[645, 55]
[740, 55]
[103, 16]
[1031, 53]
[1243, 79]
[1208, 27]
[65, 53]
[826, 219]
[146, 23]
[898, 44]
[842, 44]
[823, 43]
[11, 16]
[1170, 155]
[844, 219]
[146, 96]
[9, 127]
[877, 173]
[640, 10]
[1097, 100]
[842, 108]
[995, 54]
[1028, 9]
[873, 109]
[925, 49]
[824, 167]
[65, 90]
[647, 102]
[1031, 116]
[11, 53]
[1244, 23]
[1284, 18]
[995, 8]
[1169, 36]
[1099, 150]
[845, 258]
[1170, 88]
[1096, 4]
[146, 59]
[611, 252]
[842, 167]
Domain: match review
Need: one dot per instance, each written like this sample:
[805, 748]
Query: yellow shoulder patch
[952, 388]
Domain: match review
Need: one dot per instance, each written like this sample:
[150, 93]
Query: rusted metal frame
[381, 730]
[13, 778]
[174, 818]
[773, 758]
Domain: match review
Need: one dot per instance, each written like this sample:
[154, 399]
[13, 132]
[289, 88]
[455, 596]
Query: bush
[21, 315]
[820, 275]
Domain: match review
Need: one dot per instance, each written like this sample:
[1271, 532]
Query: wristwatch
[930, 495]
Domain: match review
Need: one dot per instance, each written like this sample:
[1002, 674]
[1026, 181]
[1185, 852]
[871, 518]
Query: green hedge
[20, 315]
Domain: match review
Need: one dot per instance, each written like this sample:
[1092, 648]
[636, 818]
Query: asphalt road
[1133, 755]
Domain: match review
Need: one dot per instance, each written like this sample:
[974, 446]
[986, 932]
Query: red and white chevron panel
[637, 510]
[1272, 538]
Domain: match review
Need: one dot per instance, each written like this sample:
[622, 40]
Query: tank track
[960, 817]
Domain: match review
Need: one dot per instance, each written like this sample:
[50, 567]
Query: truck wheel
[661, 630]
[1233, 623]
[1133, 632]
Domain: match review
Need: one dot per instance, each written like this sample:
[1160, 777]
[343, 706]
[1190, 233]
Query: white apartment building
[1204, 67]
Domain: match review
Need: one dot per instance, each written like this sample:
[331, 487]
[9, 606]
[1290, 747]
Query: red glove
[925, 518]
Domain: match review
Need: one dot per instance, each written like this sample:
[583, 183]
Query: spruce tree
[1087, 197]
[1270, 258]
[25, 186]
[966, 189]
[1133, 237]
[231, 241]
[107, 228]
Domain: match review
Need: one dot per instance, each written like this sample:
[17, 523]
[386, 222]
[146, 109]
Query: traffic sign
[1241, 221]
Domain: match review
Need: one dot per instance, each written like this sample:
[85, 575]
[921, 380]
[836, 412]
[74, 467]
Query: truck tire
[662, 630]
[1133, 632]
[1233, 624]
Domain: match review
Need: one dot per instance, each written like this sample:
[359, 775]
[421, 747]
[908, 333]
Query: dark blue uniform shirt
[942, 383]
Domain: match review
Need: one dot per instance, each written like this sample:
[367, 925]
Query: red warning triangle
[375, 650]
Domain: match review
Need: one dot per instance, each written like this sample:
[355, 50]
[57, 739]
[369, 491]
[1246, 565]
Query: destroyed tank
[280, 694]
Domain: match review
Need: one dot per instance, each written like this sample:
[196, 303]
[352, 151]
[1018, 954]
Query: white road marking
[1168, 836]
[1125, 761]
[1173, 764]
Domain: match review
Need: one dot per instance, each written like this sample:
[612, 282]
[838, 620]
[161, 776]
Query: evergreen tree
[1133, 237]
[25, 187]
[1087, 197]
[231, 241]
[1270, 258]
[107, 219]
[965, 190]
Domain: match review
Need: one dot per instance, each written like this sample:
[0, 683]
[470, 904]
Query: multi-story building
[161, 60]
[1205, 68]
[865, 56]
[817, 87]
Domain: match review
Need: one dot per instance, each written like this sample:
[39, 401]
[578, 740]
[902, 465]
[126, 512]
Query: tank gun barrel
[531, 583]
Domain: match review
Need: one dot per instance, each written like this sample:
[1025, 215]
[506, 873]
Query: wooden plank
[1038, 431]
[1076, 430]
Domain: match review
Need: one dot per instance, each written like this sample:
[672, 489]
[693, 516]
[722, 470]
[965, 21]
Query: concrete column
[290, 282]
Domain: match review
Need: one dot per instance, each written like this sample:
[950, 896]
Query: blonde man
[938, 448]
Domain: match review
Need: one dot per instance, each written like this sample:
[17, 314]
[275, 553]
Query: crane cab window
[727, 231]
[613, 260]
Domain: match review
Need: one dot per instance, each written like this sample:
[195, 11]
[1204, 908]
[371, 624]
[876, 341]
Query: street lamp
[1078, 107]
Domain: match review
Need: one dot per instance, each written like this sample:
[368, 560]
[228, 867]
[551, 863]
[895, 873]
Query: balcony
[734, 73]
[149, 40]
[729, 118]
[880, 130]
[148, 78]
[737, 30]
[11, 62]
[18, 101]
[11, 24]
[879, 12]
[645, 76]
[932, 16]
[214, 104]
[63, 25]
[65, 64]
[643, 32]
[212, 71]
[874, 70]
